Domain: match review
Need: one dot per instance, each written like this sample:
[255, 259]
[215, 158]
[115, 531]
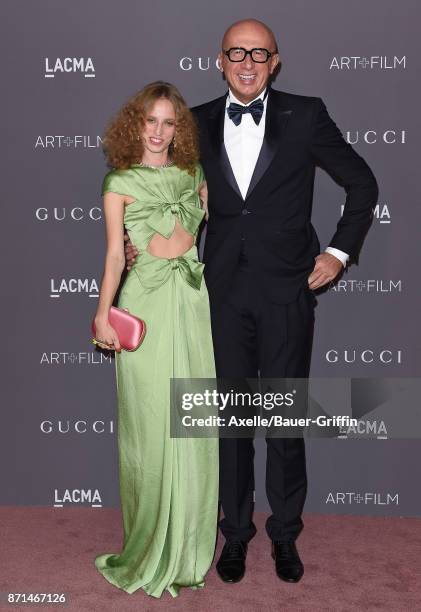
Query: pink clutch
[130, 329]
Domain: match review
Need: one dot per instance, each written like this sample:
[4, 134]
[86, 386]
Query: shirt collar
[232, 98]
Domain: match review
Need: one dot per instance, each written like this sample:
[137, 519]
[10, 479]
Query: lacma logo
[73, 285]
[381, 213]
[79, 65]
[364, 429]
[77, 497]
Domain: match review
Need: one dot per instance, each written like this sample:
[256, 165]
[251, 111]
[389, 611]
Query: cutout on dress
[178, 235]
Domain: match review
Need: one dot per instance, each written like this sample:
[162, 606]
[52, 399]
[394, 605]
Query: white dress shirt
[243, 143]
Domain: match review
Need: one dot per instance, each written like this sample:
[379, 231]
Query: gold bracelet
[98, 342]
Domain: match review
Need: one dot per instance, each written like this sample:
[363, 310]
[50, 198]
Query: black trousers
[253, 335]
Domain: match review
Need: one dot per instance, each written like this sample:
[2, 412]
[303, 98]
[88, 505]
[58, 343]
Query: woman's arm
[203, 194]
[113, 268]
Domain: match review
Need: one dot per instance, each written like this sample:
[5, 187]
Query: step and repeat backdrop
[68, 68]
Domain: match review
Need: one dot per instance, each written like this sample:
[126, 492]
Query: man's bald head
[248, 78]
[253, 26]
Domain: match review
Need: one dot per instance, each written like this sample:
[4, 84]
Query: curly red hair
[122, 145]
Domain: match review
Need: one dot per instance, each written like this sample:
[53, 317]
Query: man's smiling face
[247, 79]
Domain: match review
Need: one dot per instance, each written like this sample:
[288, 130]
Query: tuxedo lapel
[277, 115]
[216, 131]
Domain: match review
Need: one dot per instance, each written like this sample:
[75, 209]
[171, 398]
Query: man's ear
[275, 61]
[219, 59]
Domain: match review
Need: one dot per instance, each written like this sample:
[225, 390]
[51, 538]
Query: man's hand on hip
[326, 269]
[130, 252]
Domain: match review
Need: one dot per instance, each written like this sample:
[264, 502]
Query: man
[259, 150]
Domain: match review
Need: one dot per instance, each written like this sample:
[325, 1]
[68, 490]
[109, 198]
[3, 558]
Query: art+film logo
[72, 358]
[364, 286]
[352, 498]
[370, 62]
[43, 142]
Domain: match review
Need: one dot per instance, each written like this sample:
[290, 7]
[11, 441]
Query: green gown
[168, 486]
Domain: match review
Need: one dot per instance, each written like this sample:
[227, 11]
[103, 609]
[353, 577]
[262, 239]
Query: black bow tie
[236, 111]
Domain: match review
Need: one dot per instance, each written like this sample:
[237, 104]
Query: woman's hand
[203, 195]
[130, 252]
[106, 336]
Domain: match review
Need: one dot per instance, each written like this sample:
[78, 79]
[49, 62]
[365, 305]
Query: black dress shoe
[287, 561]
[232, 562]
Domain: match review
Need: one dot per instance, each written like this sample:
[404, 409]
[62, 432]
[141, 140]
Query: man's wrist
[341, 255]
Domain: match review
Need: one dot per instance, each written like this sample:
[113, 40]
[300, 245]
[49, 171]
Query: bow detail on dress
[162, 220]
[155, 271]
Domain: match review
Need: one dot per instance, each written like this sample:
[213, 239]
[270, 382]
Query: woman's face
[159, 127]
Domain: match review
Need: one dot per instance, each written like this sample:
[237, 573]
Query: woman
[168, 486]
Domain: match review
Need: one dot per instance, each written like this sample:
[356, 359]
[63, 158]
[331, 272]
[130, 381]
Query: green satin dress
[168, 486]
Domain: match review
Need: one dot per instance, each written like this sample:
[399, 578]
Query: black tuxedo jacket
[273, 222]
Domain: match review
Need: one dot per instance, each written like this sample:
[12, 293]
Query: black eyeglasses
[239, 54]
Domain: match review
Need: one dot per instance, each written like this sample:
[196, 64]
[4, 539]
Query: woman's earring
[174, 143]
